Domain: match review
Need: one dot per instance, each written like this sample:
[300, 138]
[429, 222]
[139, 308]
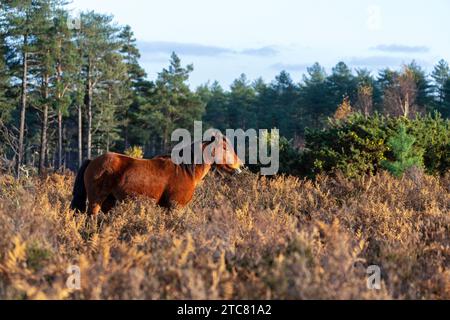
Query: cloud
[192, 49]
[382, 61]
[290, 67]
[398, 48]
[262, 52]
[195, 49]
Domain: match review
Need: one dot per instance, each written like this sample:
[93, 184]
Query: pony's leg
[94, 208]
[96, 197]
[109, 203]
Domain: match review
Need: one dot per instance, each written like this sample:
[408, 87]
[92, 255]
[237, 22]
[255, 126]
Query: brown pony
[115, 177]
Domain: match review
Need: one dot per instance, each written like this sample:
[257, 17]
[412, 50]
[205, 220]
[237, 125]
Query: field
[242, 237]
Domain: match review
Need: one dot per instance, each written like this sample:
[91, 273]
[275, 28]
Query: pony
[116, 177]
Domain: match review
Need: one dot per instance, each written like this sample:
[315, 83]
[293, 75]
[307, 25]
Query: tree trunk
[126, 143]
[60, 139]
[60, 116]
[406, 106]
[80, 136]
[23, 106]
[44, 129]
[89, 113]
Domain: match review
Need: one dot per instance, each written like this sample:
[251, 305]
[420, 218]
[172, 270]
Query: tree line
[72, 91]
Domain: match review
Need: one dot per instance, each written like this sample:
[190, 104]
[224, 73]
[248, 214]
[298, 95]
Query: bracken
[242, 237]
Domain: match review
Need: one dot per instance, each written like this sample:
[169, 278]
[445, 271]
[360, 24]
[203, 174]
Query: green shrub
[288, 157]
[359, 144]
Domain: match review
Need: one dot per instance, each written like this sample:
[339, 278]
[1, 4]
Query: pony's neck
[200, 171]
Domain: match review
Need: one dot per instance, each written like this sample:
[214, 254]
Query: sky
[224, 38]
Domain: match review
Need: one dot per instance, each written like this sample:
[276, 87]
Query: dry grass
[241, 238]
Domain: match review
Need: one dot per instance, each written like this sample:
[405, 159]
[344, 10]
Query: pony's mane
[188, 167]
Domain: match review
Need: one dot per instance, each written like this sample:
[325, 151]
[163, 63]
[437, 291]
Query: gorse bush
[289, 157]
[359, 145]
[405, 157]
[135, 152]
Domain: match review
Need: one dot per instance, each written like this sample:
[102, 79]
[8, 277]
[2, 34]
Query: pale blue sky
[262, 37]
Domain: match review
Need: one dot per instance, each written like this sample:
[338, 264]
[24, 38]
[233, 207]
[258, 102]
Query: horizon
[264, 40]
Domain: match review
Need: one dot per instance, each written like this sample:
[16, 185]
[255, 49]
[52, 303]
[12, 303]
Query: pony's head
[220, 153]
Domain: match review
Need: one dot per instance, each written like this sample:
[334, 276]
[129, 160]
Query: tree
[315, 105]
[403, 152]
[241, 108]
[369, 95]
[445, 109]
[424, 98]
[19, 19]
[172, 104]
[441, 76]
[67, 60]
[344, 110]
[98, 38]
[364, 99]
[400, 96]
[134, 85]
[341, 84]
[216, 106]
[5, 103]
[110, 100]
[264, 104]
[283, 108]
[43, 72]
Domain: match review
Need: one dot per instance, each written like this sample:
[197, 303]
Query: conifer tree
[20, 22]
[404, 154]
[172, 104]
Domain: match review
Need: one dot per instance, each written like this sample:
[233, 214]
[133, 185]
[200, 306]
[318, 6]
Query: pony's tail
[79, 190]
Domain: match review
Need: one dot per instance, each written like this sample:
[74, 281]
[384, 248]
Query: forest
[72, 90]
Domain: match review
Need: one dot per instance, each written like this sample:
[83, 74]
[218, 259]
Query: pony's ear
[216, 136]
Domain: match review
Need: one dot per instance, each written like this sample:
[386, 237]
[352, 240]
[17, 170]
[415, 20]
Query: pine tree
[98, 39]
[424, 89]
[341, 84]
[5, 103]
[67, 61]
[172, 104]
[445, 109]
[241, 109]
[404, 154]
[20, 22]
[315, 104]
[216, 106]
[441, 76]
[42, 72]
[134, 85]
[109, 102]
[283, 108]
[265, 100]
